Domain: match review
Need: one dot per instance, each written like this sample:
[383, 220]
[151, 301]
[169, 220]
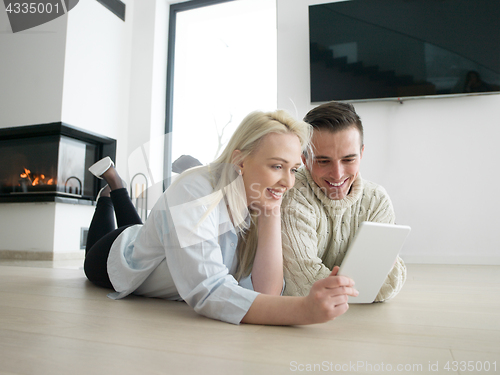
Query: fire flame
[36, 179]
[26, 173]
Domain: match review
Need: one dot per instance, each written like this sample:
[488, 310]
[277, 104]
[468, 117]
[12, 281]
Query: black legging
[102, 233]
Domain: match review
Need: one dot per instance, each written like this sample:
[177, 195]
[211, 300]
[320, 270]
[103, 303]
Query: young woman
[200, 242]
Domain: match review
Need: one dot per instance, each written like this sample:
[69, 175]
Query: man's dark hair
[335, 117]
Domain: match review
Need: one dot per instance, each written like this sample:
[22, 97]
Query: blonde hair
[247, 139]
[228, 184]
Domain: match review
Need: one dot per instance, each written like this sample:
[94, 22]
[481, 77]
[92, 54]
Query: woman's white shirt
[175, 255]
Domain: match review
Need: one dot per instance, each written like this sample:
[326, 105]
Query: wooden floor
[52, 321]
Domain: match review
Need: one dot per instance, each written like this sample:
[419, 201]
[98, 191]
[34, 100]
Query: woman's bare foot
[113, 179]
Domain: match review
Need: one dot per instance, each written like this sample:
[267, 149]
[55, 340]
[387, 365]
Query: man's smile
[339, 184]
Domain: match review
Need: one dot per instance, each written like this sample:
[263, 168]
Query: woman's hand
[328, 297]
[326, 301]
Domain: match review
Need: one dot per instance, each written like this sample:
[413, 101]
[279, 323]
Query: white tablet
[371, 256]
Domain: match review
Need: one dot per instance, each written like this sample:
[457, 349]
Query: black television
[375, 49]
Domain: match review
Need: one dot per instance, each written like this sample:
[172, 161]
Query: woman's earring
[238, 170]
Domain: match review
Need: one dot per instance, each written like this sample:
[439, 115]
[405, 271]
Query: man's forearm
[394, 282]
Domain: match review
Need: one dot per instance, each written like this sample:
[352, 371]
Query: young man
[323, 211]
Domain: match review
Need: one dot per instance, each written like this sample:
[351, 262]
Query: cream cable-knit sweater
[316, 231]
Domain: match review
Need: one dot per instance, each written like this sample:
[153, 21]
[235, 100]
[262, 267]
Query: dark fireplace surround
[49, 163]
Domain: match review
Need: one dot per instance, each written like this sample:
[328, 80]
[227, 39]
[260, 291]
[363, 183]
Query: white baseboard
[491, 260]
[41, 255]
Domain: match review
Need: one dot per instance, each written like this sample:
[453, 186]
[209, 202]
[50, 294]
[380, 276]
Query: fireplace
[49, 163]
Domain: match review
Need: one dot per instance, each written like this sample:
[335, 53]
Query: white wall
[436, 157]
[31, 74]
[97, 72]
[27, 227]
[42, 231]
[69, 220]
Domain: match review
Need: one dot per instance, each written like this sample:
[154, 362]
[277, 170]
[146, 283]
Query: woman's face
[270, 170]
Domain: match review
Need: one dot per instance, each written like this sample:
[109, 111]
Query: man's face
[335, 162]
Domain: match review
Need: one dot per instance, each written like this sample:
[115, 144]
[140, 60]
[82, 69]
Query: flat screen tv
[373, 49]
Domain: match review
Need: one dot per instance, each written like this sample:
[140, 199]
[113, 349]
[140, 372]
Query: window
[224, 67]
